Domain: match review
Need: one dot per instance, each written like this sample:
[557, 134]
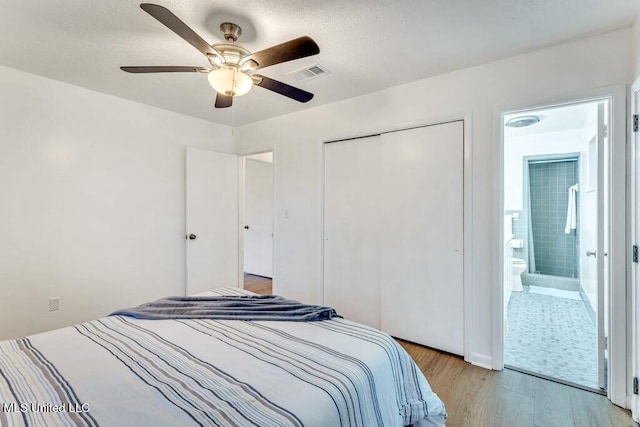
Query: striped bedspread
[121, 371]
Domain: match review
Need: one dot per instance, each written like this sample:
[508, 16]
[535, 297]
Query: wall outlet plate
[54, 304]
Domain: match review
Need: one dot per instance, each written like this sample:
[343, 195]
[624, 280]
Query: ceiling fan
[233, 72]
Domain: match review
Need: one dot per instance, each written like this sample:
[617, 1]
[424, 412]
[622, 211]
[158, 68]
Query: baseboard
[481, 361]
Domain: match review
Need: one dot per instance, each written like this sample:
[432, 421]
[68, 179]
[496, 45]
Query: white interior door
[258, 217]
[602, 238]
[592, 219]
[421, 270]
[351, 229]
[588, 223]
[211, 220]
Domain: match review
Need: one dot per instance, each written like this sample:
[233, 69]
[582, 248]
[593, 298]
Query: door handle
[591, 253]
[191, 236]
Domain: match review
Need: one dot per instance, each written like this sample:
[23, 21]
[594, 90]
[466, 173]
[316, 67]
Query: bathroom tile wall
[555, 251]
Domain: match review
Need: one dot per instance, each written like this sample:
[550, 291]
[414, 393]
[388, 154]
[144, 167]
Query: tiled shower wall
[555, 252]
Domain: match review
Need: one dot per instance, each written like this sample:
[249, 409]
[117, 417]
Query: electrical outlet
[54, 304]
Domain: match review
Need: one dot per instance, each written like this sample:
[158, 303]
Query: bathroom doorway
[554, 253]
[257, 221]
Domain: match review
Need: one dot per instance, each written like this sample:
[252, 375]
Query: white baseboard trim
[481, 360]
[630, 407]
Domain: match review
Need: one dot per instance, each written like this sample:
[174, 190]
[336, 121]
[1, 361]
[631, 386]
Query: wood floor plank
[553, 402]
[592, 410]
[508, 408]
[475, 396]
[258, 284]
[524, 384]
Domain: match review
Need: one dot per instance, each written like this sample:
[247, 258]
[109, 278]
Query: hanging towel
[571, 209]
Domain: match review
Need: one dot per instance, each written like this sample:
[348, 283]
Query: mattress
[118, 371]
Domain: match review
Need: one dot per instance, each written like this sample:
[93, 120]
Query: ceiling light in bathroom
[522, 121]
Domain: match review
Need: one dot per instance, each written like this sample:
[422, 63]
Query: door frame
[241, 209]
[634, 239]
[617, 254]
[468, 189]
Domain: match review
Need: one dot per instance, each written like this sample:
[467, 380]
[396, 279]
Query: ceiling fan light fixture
[230, 82]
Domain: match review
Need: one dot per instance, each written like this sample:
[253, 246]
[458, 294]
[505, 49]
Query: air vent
[308, 73]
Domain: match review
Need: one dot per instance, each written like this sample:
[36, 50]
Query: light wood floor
[478, 397]
[258, 284]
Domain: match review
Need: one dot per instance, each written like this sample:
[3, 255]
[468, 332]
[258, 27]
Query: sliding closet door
[351, 247]
[421, 269]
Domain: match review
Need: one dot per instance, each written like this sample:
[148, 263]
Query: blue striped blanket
[230, 307]
[124, 371]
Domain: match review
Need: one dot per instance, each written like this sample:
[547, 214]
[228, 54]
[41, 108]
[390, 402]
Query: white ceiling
[555, 119]
[262, 157]
[367, 45]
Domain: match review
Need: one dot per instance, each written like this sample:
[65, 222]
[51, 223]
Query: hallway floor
[552, 336]
[258, 284]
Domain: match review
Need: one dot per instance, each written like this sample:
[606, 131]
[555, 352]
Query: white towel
[571, 209]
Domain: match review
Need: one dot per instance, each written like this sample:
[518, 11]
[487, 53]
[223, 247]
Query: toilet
[518, 266]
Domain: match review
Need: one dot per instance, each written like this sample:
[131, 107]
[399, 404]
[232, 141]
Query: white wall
[91, 201]
[548, 75]
[636, 48]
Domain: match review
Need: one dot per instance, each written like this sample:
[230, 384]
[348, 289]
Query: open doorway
[258, 222]
[555, 221]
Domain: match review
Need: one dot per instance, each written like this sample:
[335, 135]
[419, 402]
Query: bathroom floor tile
[551, 336]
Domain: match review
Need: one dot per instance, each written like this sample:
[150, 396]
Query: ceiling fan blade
[288, 51]
[223, 101]
[174, 23]
[170, 69]
[283, 89]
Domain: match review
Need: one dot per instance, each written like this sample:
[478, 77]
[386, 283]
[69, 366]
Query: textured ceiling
[366, 45]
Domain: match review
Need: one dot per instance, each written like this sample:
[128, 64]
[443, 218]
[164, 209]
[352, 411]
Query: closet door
[421, 262]
[351, 246]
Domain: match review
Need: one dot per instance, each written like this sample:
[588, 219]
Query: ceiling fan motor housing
[231, 31]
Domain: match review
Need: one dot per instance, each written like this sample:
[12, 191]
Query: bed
[122, 370]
